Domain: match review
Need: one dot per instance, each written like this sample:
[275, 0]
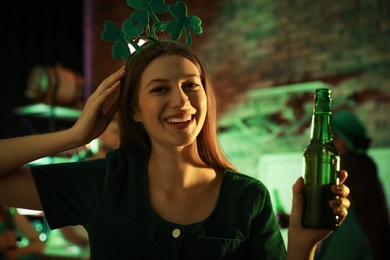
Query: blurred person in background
[348, 242]
[352, 142]
[18, 238]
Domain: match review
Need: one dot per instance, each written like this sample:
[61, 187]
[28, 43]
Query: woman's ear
[136, 118]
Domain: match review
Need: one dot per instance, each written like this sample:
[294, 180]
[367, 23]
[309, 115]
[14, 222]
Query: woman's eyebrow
[160, 80]
[188, 76]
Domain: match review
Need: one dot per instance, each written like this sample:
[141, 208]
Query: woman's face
[172, 101]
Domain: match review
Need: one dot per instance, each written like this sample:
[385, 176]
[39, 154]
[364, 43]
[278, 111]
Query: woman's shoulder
[123, 154]
[124, 161]
[236, 176]
[241, 181]
[244, 190]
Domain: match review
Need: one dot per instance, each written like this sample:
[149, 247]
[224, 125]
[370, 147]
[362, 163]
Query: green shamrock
[182, 22]
[145, 10]
[132, 30]
[113, 33]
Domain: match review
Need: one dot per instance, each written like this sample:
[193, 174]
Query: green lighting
[43, 110]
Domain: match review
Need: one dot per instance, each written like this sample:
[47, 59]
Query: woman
[168, 192]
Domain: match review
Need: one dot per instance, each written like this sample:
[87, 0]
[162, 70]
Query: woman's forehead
[169, 67]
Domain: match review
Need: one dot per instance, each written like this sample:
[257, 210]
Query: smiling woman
[168, 191]
[168, 185]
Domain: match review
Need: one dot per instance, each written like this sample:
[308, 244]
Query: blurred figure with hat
[350, 135]
[352, 142]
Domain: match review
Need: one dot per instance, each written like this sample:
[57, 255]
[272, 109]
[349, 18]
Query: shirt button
[176, 233]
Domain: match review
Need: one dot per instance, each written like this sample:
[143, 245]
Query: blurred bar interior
[264, 76]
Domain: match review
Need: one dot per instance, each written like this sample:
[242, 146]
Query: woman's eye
[190, 85]
[160, 89]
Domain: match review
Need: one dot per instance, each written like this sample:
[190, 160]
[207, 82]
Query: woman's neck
[176, 166]
[182, 188]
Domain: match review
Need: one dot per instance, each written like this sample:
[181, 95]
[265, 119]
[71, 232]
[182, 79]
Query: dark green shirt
[109, 197]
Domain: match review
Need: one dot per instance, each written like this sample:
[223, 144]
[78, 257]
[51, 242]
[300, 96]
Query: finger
[298, 194]
[340, 203]
[298, 187]
[343, 175]
[111, 102]
[107, 98]
[341, 190]
[342, 213]
[110, 81]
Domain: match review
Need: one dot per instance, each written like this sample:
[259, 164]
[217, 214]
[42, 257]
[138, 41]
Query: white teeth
[179, 120]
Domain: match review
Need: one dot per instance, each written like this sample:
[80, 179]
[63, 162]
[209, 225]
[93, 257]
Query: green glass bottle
[281, 214]
[321, 163]
[10, 221]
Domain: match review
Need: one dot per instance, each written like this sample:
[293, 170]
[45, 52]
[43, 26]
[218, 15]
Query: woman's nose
[179, 98]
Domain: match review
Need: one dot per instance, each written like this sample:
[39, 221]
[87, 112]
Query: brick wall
[250, 45]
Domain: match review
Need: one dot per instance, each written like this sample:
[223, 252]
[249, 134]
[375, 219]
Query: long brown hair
[133, 134]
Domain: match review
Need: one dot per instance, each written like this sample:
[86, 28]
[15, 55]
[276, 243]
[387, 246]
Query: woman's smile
[180, 122]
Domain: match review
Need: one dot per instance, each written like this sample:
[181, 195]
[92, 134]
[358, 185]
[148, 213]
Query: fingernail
[338, 187]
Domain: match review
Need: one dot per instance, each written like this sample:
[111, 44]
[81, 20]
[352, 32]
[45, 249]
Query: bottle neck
[321, 127]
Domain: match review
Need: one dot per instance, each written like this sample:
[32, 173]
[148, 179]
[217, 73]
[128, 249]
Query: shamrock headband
[143, 24]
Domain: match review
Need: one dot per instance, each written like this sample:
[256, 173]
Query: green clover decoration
[143, 23]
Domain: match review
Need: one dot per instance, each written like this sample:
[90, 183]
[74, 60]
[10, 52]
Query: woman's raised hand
[307, 239]
[100, 108]
[95, 117]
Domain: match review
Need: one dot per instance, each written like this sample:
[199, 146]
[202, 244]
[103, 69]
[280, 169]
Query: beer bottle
[10, 221]
[321, 163]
